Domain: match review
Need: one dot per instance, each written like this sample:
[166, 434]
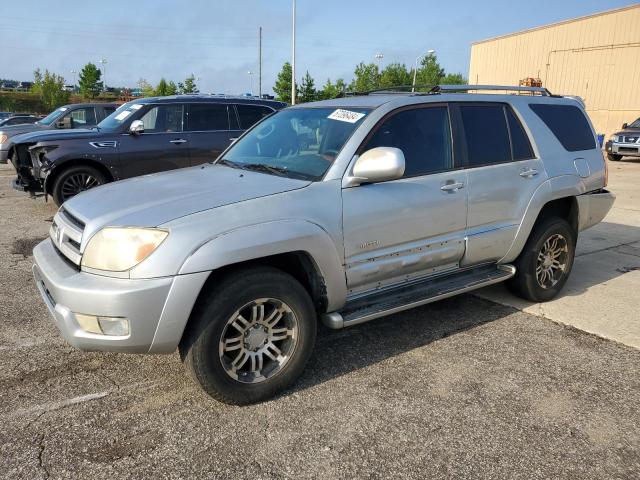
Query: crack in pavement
[41, 463]
[607, 248]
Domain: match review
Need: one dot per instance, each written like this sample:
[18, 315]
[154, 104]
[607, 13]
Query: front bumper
[625, 149]
[157, 309]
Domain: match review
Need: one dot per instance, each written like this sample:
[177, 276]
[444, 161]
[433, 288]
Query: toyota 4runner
[394, 201]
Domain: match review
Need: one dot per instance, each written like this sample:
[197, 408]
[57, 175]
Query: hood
[153, 200]
[56, 134]
[14, 130]
[628, 131]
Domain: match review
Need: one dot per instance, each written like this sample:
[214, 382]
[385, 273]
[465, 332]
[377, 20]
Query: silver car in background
[344, 210]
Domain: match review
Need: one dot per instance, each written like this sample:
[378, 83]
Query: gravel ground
[463, 388]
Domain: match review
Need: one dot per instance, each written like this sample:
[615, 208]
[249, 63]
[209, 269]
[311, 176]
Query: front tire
[545, 263]
[250, 336]
[614, 157]
[75, 180]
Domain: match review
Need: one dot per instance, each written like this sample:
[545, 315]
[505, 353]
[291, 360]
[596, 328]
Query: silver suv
[345, 210]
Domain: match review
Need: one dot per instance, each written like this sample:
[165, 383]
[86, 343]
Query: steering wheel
[265, 131]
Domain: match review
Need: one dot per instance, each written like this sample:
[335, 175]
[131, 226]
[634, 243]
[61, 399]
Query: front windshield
[53, 116]
[635, 124]
[117, 118]
[297, 142]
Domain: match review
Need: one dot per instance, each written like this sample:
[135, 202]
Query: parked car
[144, 136]
[402, 200]
[18, 120]
[4, 115]
[79, 115]
[625, 143]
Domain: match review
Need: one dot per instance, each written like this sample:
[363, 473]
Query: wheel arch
[60, 168]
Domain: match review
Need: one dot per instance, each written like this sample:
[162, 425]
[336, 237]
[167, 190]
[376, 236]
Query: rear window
[486, 134]
[208, 116]
[252, 114]
[568, 124]
[520, 146]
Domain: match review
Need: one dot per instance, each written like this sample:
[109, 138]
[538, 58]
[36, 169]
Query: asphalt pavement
[464, 388]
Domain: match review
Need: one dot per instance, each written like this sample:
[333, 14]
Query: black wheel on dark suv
[545, 263]
[75, 180]
[250, 336]
[613, 157]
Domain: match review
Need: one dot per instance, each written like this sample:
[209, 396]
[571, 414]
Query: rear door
[503, 174]
[211, 127]
[414, 226]
[162, 146]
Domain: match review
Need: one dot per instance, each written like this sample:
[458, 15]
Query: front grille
[630, 139]
[66, 235]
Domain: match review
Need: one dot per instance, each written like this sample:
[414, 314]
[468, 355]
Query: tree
[282, 88]
[50, 88]
[172, 88]
[89, 81]
[430, 72]
[161, 89]
[332, 90]
[366, 78]
[146, 90]
[189, 85]
[454, 79]
[394, 75]
[308, 91]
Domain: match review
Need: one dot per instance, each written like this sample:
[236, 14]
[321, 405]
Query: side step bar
[416, 294]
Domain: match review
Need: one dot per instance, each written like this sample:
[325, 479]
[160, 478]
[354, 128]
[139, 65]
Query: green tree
[282, 88]
[172, 88]
[189, 85]
[145, 88]
[89, 81]
[454, 79]
[50, 88]
[332, 90]
[367, 77]
[429, 72]
[308, 91]
[394, 75]
[162, 88]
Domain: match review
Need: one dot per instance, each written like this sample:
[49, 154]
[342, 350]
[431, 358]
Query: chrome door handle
[452, 187]
[528, 173]
[178, 141]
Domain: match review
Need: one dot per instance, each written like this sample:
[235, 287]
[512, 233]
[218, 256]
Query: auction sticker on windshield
[346, 115]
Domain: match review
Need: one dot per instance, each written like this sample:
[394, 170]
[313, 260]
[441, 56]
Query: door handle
[528, 173]
[233, 139]
[178, 141]
[452, 187]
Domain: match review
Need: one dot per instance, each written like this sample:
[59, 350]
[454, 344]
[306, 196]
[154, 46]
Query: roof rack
[459, 88]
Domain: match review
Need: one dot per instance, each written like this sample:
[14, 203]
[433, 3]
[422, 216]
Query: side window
[520, 145]
[83, 117]
[486, 134]
[208, 116]
[163, 118]
[568, 124]
[423, 135]
[108, 111]
[252, 114]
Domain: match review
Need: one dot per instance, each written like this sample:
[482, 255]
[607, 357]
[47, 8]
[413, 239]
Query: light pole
[73, 72]
[250, 82]
[293, 56]
[378, 57]
[103, 61]
[415, 70]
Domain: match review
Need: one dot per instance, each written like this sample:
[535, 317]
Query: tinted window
[520, 146]
[83, 117]
[568, 124]
[163, 118]
[486, 134]
[109, 110]
[208, 116]
[251, 114]
[423, 135]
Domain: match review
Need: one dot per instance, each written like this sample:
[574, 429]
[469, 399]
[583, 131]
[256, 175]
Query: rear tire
[74, 180]
[545, 263]
[250, 336]
[613, 157]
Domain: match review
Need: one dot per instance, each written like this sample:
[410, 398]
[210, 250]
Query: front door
[162, 146]
[399, 230]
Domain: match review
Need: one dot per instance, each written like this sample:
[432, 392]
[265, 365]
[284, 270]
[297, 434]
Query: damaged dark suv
[144, 136]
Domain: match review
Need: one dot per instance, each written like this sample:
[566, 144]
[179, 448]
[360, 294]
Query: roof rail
[459, 88]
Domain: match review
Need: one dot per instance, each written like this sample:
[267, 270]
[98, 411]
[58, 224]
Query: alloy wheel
[551, 263]
[78, 182]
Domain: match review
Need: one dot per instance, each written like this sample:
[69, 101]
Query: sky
[217, 40]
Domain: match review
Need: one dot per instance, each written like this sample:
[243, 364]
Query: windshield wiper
[225, 162]
[261, 167]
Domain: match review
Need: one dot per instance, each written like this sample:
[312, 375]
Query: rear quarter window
[569, 125]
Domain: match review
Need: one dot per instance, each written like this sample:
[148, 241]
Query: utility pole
[260, 63]
[293, 56]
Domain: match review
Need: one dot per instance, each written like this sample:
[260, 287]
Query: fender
[272, 238]
[554, 188]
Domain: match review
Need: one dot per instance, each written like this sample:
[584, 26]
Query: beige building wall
[595, 57]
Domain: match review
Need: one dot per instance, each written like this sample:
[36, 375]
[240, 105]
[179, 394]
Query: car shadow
[339, 352]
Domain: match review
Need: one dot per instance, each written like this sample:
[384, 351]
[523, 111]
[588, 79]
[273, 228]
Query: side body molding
[272, 238]
[557, 187]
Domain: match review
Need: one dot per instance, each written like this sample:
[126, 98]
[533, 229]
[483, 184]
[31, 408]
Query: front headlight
[118, 249]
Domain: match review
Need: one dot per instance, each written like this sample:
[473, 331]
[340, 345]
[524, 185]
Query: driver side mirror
[136, 127]
[379, 164]
[624, 125]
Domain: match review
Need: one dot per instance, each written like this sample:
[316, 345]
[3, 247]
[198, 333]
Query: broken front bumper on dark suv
[31, 167]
